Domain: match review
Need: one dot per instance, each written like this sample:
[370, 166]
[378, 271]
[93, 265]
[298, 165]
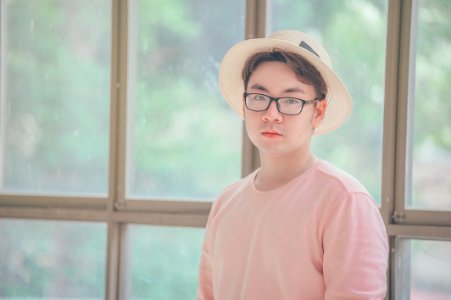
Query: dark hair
[306, 72]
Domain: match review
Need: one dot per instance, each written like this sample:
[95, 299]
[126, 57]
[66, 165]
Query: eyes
[281, 101]
[258, 97]
[293, 101]
[285, 105]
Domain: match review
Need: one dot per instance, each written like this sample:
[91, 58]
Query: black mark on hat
[307, 47]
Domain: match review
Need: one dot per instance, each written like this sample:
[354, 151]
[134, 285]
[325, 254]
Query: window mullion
[256, 21]
[3, 83]
[113, 261]
[256, 18]
[404, 110]
[395, 168]
[117, 145]
[118, 104]
[390, 109]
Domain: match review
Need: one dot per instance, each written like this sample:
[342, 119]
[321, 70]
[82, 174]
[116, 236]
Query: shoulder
[232, 191]
[345, 198]
[333, 177]
[338, 188]
[237, 187]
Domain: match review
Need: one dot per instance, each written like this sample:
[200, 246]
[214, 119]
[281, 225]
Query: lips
[271, 134]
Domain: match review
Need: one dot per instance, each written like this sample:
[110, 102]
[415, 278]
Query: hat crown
[302, 40]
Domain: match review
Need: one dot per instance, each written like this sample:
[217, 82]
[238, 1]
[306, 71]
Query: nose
[272, 114]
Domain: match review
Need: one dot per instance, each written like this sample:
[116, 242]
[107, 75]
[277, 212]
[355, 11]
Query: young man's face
[273, 132]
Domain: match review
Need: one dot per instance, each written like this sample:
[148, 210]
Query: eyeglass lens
[285, 105]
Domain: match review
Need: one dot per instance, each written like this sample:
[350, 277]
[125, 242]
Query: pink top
[320, 236]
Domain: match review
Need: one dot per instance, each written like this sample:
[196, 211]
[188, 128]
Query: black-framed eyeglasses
[285, 105]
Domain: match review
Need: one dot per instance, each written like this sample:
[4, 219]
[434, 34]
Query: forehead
[278, 77]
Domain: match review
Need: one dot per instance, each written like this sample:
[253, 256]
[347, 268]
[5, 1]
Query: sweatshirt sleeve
[355, 250]
[205, 287]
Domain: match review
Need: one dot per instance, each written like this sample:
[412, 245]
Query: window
[177, 143]
[55, 93]
[430, 129]
[52, 258]
[416, 149]
[423, 269]
[161, 262]
[114, 138]
[354, 32]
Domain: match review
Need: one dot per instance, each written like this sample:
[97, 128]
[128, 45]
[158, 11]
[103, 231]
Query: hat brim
[339, 101]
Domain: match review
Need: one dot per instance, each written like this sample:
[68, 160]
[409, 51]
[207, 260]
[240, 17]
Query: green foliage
[57, 95]
[182, 147]
[48, 259]
[433, 70]
[164, 262]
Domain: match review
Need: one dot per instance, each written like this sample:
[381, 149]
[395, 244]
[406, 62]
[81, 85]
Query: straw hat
[339, 102]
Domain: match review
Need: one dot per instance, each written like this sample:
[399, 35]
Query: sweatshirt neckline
[284, 186]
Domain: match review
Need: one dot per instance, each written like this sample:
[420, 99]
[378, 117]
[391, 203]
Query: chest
[269, 231]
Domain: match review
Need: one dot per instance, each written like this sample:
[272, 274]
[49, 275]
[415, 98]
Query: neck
[276, 171]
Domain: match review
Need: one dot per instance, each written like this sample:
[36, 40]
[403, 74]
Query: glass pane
[354, 33]
[431, 166]
[55, 91]
[163, 262]
[52, 260]
[184, 141]
[423, 270]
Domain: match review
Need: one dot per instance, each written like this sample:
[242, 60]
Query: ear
[320, 112]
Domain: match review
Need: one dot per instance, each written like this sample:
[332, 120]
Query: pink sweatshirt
[320, 236]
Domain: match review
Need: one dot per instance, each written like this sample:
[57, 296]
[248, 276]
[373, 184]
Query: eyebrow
[289, 90]
[259, 87]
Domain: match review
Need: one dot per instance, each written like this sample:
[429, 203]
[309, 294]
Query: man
[297, 227]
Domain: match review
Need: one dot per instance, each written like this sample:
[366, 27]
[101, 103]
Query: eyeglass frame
[276, 99]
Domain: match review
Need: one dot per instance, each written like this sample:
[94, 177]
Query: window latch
[397, 217]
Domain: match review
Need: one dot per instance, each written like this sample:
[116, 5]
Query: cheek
[302, 128]
[250, 125]
[310, 119]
